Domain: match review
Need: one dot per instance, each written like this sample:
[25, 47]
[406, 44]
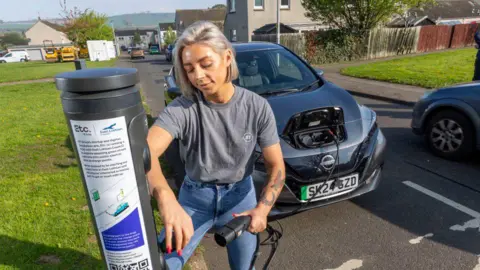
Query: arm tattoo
[277, 184]
[265, 201]
[279, 181]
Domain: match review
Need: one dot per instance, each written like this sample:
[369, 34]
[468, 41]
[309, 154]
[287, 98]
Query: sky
[18, 10]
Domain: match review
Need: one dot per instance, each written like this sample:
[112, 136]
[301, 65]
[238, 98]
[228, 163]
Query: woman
[217, 125]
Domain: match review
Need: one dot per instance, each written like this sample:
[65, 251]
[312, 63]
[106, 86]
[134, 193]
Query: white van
[16, 56]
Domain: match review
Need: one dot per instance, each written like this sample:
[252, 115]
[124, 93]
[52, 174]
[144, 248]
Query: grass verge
[13, 72]
[429, 71]
[45, 221]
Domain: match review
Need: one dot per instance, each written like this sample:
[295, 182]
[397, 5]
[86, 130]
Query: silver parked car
[449, 118]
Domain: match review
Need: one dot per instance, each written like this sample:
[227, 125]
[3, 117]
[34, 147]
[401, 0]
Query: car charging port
[312, 129]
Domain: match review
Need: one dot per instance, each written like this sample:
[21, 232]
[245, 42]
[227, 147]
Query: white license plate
[326, 190]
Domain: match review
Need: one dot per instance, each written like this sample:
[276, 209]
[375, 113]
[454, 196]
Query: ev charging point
[108, 129]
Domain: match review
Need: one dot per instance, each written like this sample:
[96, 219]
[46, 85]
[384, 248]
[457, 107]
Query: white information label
[104, 150]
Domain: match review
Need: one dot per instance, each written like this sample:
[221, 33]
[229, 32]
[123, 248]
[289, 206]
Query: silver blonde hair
[205, 33]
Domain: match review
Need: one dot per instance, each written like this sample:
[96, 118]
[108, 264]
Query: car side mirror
[319, 72]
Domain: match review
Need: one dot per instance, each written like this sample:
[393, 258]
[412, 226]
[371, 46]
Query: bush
[333, 46]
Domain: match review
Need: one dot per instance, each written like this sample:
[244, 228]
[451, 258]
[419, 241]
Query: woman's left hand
[259, 220]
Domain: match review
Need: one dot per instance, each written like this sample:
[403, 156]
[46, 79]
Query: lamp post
[114, 38]
[278, 21]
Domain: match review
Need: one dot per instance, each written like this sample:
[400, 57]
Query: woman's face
[206, 69]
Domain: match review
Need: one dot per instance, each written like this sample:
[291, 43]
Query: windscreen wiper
[278, 92]
[309, 86]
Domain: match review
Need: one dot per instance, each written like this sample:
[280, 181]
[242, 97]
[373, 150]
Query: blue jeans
[212, 206]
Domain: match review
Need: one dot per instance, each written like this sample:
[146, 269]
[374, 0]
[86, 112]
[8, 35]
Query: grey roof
[272, 28]
[449, 9]
[164, 26]
[39, 46]
[186, 17]
[53, 25]
[131, 32]
[412, 21]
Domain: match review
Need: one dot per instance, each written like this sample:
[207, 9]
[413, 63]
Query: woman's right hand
[175, 219]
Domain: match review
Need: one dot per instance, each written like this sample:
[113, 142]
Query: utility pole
[278, 21]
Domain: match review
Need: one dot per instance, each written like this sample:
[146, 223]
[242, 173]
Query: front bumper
[370, 175]
[418, 117]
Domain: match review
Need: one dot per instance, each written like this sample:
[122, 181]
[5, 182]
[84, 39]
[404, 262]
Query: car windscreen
[270, 71]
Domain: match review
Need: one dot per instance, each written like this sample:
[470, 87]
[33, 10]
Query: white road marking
[443, 199]
[477, 267]
[351, 265]
[417, 240]
[471, 224]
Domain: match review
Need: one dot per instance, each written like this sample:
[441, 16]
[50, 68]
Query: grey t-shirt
[218, 146]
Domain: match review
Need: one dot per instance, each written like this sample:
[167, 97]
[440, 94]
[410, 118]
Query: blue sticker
[125, 235]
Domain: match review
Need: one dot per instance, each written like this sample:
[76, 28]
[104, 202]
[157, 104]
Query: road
[424, 215]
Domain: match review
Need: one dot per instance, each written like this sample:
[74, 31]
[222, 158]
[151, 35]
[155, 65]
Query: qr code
[142, 265]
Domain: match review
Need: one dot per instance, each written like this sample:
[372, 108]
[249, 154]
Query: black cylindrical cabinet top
[96, 79]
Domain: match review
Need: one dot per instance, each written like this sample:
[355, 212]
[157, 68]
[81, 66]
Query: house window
[232, 5]
[258, 4]
[285, 4]
[233, 35]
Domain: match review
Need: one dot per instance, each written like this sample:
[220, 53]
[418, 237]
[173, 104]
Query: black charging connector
[232, 230]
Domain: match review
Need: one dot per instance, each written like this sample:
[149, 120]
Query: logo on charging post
[82, 129]
[110, 129]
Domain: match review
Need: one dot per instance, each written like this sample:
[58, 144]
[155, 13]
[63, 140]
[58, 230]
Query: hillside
[142, 19]
[119, 21]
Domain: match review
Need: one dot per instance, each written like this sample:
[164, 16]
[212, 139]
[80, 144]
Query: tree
[136, 38]
[13, 38]
[358, 16]
[219, 6]
[170, 36]
[83, 25]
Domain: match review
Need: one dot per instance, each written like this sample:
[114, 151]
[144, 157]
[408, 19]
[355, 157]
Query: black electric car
[308, 109]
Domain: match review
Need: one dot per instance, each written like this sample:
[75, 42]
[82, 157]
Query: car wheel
[3, 62]
[22, 60]
[450, 135]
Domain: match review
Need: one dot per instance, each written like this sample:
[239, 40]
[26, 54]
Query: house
[245, 18]
[124, 37]
[45, 30]
[185, 17]
[40, 31]
[163, 28]
[445, 12]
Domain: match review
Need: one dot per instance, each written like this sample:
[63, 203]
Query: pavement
[28, 81]
[424, 215]
[397, 93]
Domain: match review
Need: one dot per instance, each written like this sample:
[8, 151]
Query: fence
[384, 42]
[381, 42]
